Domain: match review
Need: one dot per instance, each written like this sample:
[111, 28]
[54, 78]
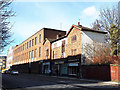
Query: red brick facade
[32, 49]
[115, 72]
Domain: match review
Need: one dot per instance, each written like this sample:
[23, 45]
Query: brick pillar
[115, 72]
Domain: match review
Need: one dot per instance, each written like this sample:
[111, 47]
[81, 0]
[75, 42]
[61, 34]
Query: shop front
[74, 66]
[59, 67]
[73, 69]
[46, 67]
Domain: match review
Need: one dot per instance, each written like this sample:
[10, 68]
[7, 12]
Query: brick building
[33, 49]
[71, 46]
[56, 50]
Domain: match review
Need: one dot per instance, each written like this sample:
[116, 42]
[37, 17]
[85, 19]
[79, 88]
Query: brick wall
[47, 45]
[45, 33]
[22, 68]
[70, 45]
[115, 72]
[75, 44]
[98, 72]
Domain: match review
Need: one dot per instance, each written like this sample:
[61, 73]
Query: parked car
[14, 72]
[6, 72]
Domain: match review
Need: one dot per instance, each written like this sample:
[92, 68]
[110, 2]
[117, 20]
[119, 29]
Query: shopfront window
[73, 70]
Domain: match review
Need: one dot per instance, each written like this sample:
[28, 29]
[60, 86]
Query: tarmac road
[36, 81]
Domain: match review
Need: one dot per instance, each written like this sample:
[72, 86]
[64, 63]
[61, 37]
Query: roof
[92, 30]
[43, 29]
[80, 27]
[59, 39]
[50, 40]
[85, 29]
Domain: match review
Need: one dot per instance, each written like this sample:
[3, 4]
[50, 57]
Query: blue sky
[33, 16]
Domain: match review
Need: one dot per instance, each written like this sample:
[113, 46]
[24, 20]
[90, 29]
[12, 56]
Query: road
[35, 81]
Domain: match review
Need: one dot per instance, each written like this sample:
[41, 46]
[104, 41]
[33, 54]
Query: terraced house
[56, 50]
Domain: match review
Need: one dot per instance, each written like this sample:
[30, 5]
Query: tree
[114, 35]
[108, 19]
[5, 28]
[98, 53]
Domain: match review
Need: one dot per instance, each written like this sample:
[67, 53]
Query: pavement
[92, 84]
[90, 80]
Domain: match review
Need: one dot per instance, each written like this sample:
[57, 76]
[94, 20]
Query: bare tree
[5, 28]
[98, 53]
[107, 19]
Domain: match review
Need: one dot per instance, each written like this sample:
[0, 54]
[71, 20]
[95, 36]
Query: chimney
[79, 22]
[58, 35]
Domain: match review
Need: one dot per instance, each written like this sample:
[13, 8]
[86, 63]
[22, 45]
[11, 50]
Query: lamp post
[29, 67]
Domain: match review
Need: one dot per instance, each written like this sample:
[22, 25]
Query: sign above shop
[47, 63]
[60, 62]
[73, 60]
[73, 64]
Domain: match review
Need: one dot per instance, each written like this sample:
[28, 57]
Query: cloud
[89, 15]
[90, 11]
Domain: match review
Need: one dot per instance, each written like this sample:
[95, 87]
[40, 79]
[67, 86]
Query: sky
[31, 16]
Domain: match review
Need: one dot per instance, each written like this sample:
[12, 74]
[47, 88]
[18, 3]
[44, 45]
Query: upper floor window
[32, 42]
[27, 55]
[35, 53]
[47, 52]
[54, 55]
[63, 46]
[32, 53]
[40, 38]
[27, 44]
[23, 46]
[63, 43]
[39, 51]
[35, 40]
[73, 38]
[73, 51]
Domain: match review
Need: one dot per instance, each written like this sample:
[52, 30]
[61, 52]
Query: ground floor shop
[59, 67]
[74, 66]
[66, 66]
[46, 66]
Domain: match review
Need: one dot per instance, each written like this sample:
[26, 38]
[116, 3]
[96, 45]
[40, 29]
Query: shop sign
[59, 62]
[73, 60]
[46, 63]
[41, 61]
[73, 64]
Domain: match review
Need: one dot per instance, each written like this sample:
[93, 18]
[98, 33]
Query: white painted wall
[88, 37]
[59, 43]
